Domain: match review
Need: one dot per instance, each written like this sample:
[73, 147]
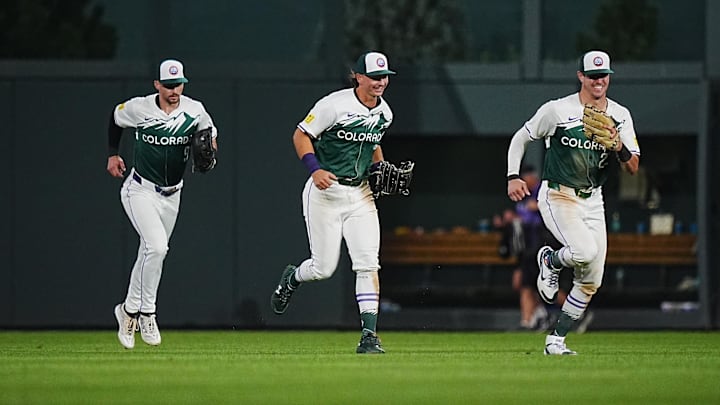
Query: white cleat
[127, 325]
[548, 276]
[555, 345]
[149, 330]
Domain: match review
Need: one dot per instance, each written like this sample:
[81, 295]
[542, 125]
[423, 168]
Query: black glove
[388, 179]
[203, 153]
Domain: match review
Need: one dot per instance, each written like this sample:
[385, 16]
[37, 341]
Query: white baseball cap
[595, 62]
[373, 64]
[171, 72]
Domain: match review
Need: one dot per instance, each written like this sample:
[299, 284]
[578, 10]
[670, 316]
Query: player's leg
[143, 208]
[361, 230]
[566, 217]
[588, 274]
[321, 209]
[367, 295]
[153, 216]
[588, 279]
[168, 207]
[140, 208]
[127, 322]
[575, 308]
[563, 214]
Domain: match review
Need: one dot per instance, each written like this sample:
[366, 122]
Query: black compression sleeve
[624, 154]
[114, 134]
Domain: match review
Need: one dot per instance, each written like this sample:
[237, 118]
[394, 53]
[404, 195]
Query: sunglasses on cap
[596, 76]
[170, 86]
[377, 77]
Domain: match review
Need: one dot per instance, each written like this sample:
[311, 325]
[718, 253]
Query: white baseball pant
[153, 216]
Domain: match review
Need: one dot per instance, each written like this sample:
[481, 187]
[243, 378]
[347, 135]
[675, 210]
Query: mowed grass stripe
[322, 368]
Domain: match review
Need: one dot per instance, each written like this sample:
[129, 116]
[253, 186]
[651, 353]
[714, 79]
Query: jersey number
[603, 162]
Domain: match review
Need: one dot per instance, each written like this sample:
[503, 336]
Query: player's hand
[615, 134]
[116, 166]
[517, 189]
[323, 179]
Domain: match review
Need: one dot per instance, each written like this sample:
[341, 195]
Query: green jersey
[570, 158]
[345, 133]
[162, 141]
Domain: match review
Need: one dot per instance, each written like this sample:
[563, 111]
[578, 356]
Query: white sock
[576, 303]
[367, 291]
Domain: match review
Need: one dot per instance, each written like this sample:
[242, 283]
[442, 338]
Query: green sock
[369, 321]
[555, 260]
[564, 324]
[292, 281]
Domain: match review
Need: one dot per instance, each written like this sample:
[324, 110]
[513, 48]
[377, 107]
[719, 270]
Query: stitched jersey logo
[374, 122]
[178, 124]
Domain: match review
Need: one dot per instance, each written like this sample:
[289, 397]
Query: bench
[439, 264]
[474, 248]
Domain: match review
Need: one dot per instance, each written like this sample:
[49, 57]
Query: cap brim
[174, 81]
[380, 73]
[598, 71]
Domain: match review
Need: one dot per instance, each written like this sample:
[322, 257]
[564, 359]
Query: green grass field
[248, 367]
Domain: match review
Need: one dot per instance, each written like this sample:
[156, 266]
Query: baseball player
[163, 123]
[338, 141]
[570, 196]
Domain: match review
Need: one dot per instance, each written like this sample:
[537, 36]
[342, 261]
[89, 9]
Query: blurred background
[469, 75]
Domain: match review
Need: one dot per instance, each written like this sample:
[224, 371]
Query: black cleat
[281, 296]
[370, 344]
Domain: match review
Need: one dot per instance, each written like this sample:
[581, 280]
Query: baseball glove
[203, 153]
[388, 179]
[595, 122]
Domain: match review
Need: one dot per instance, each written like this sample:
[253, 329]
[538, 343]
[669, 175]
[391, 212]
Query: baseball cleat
[281, 296]
[547, 281]
[127, 325]
[369, 344]
[555, 345]
[149, 330]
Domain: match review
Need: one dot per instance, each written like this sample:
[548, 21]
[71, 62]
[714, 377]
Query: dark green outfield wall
[67, 246]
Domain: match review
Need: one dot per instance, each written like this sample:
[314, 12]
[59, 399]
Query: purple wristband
[310, 162]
